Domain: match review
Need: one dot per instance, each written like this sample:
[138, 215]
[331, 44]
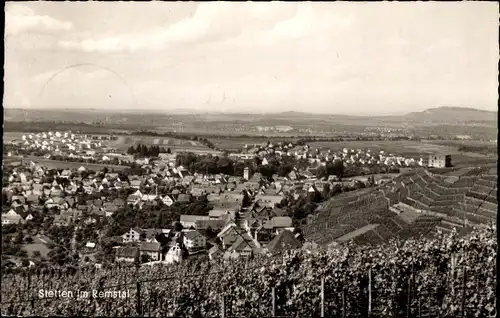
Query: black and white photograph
[250, 159]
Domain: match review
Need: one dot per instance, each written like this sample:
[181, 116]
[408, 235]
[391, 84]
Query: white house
[11, 217]
[167, 200]
[133, 235]
[174, 254]
[188, 221]
[193, 240]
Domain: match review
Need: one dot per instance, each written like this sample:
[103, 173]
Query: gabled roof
[244, 241]
[191, 235]
[150, 246]
[281, 221]
[192, 218]
[284, 241]
[183, 198]
[127, 252]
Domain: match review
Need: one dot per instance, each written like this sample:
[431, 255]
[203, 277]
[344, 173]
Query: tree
[19, 238]
[326, 192]
[321, 172]
[36, 254]
[246, 200]
[178, 227]
[145, 258]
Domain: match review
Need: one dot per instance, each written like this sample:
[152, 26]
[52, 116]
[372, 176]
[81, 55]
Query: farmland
[11, 136]
[56, 164]
[235, 143]
[124, 142]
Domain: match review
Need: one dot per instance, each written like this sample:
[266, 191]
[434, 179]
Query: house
[151, 234]
[215, 252]
[268, 200]
[229, 234]
[152, 249]
[439, 161]
[244, 247]
[189, 221]
[215, 225]
[59, 220]
[167, 200]
[284, 241]
[184, 198]
[193, 240]
[127, 254]
[11, 217]
[136, 184]
[174, 254]
[133, 235]
[90, 245]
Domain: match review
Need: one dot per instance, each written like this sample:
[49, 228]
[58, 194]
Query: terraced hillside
[412, 204]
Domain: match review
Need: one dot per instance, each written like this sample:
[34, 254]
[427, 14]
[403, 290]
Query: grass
[124, 142]
[235, 143]
[403, 148]
[56, 164]
[11, 136]
[41, 247]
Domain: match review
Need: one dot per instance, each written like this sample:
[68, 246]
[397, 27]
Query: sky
[339, 57]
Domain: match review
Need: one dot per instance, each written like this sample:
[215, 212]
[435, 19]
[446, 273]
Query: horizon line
[193, 111]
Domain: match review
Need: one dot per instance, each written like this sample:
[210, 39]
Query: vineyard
[449, 276]
[412, 204]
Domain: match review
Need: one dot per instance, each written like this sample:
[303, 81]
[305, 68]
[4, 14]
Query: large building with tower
[439, 161]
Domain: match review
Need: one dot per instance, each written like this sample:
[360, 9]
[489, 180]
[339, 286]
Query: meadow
[236, 143]
[56, 164]
[403, 148]
[9, 136]
[124, 142]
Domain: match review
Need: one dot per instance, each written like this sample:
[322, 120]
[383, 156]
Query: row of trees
[145, 151]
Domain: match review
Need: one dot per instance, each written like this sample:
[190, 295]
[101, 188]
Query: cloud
[307, 21]
[211, 22]
[20, 19]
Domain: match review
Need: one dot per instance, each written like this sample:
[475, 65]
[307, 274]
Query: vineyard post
[429, 302]
[408, 305]
[273, 295]
[223, 306]
[369, 292]
[343, 302]
[322, 297]
[453, 262]
[463, 290]
[138, 295]
[419, 305]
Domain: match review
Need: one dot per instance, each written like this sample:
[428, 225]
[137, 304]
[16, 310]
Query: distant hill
[452, 114]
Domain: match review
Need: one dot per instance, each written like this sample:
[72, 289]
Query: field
[11, 136]
[56, 164]
[37, 245]
[236, 143]
[124, 142]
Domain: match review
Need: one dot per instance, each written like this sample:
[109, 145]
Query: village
[237, 214]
